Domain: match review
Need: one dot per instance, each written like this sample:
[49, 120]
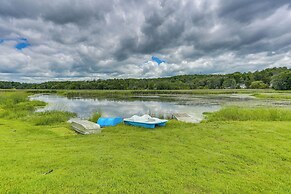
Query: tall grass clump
[50, 117]
[250, 114]
[10, 99]
[17, 105]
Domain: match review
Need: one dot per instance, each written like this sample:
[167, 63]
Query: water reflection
[126, 108]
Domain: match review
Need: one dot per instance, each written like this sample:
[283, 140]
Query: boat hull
[146, 125]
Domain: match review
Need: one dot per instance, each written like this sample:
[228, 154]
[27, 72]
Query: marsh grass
[12, 98]
[276, 96]
[16, 105]
[250, 114]
[95, 116]
[127, 93]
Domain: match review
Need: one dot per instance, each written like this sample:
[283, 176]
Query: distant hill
[278, 78]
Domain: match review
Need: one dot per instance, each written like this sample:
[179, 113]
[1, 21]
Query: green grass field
[40, 154]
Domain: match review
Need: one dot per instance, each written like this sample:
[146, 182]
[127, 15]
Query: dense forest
[277, 78]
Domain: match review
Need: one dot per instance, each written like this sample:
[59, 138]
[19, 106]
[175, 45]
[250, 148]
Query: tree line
[277, 78]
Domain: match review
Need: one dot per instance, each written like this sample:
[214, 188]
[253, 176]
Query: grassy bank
[16, 106]
[230, 156]
[275, 96]
[250, 114]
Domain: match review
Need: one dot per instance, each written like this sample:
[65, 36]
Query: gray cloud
[90, 39]
[248, 10]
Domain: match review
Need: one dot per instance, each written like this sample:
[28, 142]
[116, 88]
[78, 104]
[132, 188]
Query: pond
[157, 106]
[160, 106]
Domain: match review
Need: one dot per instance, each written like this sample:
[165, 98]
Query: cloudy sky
[92, 39]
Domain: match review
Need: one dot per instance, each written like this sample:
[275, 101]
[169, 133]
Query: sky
[97, 39]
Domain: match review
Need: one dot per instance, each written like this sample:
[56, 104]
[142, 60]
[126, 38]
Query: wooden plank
[184, 117]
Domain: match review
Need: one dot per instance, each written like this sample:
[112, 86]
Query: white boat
[145, 121]
[85, 127]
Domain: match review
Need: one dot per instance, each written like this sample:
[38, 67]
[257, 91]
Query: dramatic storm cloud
[92, 39]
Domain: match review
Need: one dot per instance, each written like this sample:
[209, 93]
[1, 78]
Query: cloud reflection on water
[110, 108]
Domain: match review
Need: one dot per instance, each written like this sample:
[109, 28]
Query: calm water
[126, 108]
[194, 105]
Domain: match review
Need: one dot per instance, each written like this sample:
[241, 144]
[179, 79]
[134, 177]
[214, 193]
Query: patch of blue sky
[158, 60]
[21, 42]
[22, 45]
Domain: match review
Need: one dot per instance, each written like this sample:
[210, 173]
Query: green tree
[282, 81]
[229, 83]
[214, 82]
[258, 85]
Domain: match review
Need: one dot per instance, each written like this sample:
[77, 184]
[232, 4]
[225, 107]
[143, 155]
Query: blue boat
[145, 121]
[107, 122]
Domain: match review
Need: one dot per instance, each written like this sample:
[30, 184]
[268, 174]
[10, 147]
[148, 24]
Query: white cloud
[105, 39]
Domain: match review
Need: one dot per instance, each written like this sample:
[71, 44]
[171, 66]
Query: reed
[250, 114]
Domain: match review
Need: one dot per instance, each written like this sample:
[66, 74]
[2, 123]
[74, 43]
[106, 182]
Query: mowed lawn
[210, 157]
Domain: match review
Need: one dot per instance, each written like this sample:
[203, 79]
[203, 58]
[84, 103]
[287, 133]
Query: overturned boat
[145, 121]
[107, 122]
[84, 127]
